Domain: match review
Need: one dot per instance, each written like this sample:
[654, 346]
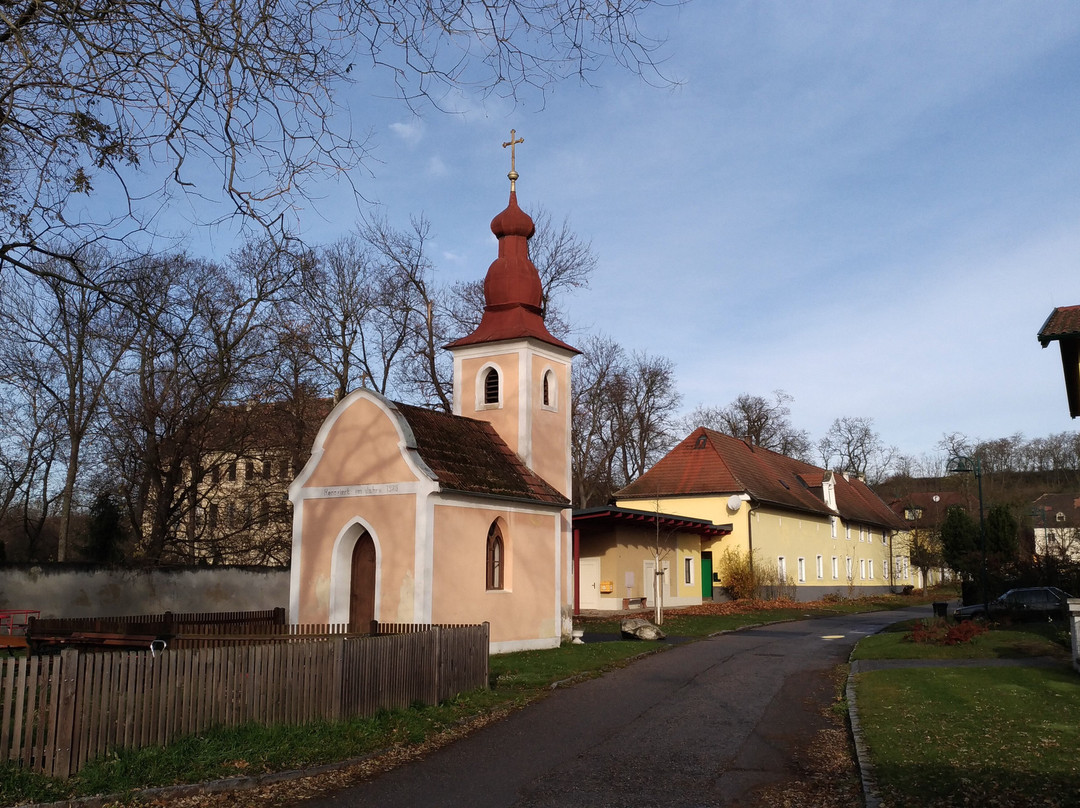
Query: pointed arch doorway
[362, 584]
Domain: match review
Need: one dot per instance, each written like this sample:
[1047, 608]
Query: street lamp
[958, 464]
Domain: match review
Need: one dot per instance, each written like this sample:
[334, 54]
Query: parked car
[1030, 603]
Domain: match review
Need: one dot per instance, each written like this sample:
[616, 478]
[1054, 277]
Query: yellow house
[821, 532]
[618, 552]
[404, 515]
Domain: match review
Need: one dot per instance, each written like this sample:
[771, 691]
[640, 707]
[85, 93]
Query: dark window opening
[491, 387]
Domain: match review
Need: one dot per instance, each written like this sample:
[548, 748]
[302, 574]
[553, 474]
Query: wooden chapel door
[362, 585]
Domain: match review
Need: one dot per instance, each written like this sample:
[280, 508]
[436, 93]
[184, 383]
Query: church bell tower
[511, 371]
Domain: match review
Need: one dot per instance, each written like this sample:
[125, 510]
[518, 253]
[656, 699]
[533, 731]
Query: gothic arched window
[495, 557]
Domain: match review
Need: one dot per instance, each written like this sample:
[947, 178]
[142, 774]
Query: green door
[706, 575]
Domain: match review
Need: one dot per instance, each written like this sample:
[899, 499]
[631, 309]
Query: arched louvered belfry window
[495, 557]
[491, 386]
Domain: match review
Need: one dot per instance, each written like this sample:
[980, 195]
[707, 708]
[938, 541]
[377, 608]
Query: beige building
[821, 532]
[634, 558]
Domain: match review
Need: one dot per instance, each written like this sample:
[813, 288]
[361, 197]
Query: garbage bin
[941, 609]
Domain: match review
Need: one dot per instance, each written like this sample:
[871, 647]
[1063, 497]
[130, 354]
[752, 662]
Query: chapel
[409, 515]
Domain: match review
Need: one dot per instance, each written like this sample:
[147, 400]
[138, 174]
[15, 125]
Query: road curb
[871, 797]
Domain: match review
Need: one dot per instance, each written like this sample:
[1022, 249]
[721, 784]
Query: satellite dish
[734, 503]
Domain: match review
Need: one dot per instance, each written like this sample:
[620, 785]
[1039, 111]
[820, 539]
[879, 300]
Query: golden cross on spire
[513, 175]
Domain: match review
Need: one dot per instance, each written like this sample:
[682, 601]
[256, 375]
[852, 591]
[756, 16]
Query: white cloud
[412, 132]
[436, 167]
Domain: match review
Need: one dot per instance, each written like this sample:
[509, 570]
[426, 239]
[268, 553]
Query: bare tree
[756, 419]
[623, 411]
[200, 350]
[70, 340]
[143, 98]
[647, 400]
[851, 444]
[30, 444]
[337, 297]
[594, 442]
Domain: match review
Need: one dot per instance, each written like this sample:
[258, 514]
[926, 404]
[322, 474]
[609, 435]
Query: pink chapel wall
[360, 450]
[505, 419]
[362, 423]
[331, 527]
[527, 611]
[551, 427]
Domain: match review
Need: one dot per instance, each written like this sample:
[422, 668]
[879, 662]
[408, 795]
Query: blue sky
[870, 205]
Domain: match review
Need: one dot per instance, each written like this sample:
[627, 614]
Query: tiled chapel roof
[712, 463]
[467, 455]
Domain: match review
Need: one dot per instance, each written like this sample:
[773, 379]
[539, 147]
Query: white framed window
[802, 570]
[835, 568]
[862, 568]
[907, 572]
[847, 532]
[820, 567]
[781, 569]
[870, 569]
[688, 570]
[832, 523]
[862, 533]
[489, 387]
[850, 571]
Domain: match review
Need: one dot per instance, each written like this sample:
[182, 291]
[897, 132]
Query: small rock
[638, 628]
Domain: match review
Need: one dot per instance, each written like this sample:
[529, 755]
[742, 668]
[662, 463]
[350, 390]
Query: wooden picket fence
[59, 711]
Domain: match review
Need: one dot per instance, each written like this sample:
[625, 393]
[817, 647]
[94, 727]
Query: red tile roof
[1064, 321]
[711, 463]
[933, 505]
[468, 456]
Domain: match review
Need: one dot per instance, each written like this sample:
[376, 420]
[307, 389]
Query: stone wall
[68, 591]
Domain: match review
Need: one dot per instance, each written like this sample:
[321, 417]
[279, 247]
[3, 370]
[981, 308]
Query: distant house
[616, 554]
[231, 504]
[1056, 522]
[923, 514]
[822, 532]
[1063, 327]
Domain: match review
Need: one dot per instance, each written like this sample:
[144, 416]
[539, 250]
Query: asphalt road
[705, 724]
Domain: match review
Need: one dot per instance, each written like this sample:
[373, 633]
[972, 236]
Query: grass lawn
[981, 736]
[1031, 640]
